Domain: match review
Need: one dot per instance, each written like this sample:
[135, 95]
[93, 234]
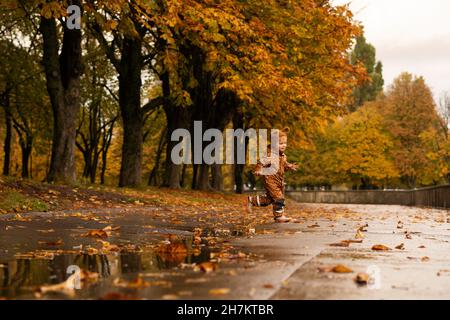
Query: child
[274, 183]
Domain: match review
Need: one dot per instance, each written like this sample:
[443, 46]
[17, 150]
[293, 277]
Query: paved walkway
[278, 262]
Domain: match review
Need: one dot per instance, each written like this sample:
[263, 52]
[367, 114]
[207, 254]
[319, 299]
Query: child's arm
[290, 166]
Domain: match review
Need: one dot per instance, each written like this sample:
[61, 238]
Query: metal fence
[433, 197]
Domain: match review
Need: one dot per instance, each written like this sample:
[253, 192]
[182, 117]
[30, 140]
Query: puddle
[21, 276]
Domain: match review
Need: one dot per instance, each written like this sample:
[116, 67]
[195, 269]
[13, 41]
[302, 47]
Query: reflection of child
[274, 183]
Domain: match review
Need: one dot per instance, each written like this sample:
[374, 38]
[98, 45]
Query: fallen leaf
[422, 247]
[137, 283]
[219, 291]
[341, 269]
[400, 246]
[380, 247]
[362, 278]
[96, 234]
[268, 286]
[425, 259]
[359, 235]
[363, 228]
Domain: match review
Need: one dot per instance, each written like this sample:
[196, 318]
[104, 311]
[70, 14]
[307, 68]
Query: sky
[409, 35]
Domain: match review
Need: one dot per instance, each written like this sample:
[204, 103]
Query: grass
[11, 200]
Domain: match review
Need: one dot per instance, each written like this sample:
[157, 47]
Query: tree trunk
[63, 85]
[217, 177]
[8, 135]
[26, 152]
[130, 107]
[203, 178]
[175, 120]
[177, 117]
[153, 178]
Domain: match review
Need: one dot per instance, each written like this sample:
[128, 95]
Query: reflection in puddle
[22, 275]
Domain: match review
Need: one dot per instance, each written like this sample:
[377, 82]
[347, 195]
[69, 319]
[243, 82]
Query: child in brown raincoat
[274, 183]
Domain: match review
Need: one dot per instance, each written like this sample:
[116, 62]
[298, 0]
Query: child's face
[283, 144]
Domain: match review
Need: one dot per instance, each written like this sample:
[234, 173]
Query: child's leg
[261, 201]
[275, 191]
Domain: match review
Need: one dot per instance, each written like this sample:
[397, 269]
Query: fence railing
[433, 197]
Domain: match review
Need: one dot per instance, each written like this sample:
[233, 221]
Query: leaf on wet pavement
[341, 269]
[363, 228]
[336, 269]
[362, 278]
[380, 247]
[100, 233]
[137, 283]
[172, 248]
[359, 234]
[219, 291]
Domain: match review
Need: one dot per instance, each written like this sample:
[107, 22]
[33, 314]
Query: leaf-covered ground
[166, 244]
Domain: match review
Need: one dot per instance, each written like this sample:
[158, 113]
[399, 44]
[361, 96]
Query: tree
[410, 116]
[354, 150]
[365, 53]
[283, 62]
[63, 69]
[99, 112]
[131, 49]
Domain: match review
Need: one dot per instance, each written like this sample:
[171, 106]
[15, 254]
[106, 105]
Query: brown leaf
[363, 228]
[422, 247]
[137, 283]
[362, 278]
[401, 246]
[380, 247]
[219, 291]
[341, 269]
[425, 259]
[359, 235]
[96, 234]
[172, 248]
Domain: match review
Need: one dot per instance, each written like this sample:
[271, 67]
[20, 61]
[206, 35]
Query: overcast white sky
[409, 35]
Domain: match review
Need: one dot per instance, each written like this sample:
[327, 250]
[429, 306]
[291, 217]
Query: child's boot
[278, 212]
